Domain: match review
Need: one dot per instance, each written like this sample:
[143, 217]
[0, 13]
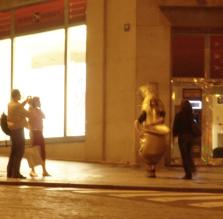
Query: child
[36, 132]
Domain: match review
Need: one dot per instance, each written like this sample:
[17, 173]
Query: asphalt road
[41, 202]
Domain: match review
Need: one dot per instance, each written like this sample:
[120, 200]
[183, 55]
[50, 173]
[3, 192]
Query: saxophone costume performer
[151, 129]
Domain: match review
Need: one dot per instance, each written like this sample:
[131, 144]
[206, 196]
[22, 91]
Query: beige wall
[95, 99]
[111, 81]
[120, 80]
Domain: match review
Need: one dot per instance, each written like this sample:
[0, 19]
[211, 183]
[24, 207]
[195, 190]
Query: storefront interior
[207, 102]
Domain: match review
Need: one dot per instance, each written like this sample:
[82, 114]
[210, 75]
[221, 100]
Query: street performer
[151, 129]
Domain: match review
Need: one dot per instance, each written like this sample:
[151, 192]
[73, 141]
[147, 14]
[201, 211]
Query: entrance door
[207, 103]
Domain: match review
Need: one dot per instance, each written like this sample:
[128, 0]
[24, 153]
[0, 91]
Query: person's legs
[193, 166]
[188, 160]
[18, 152]
[12, 154]
[153, 171]
[185, 150]
[38, 139]
[33, 172]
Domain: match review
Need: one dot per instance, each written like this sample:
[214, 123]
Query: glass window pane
[76, 80]
[39, 71]
[5, 77]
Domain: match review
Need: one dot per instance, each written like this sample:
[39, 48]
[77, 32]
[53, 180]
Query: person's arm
[25, 101]
[22, 111]
[160, 119]
[139, 122]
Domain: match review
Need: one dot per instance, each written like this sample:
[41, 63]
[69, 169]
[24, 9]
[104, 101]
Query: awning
[205, 19]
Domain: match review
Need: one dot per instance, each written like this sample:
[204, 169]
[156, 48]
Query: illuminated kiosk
[151, 129]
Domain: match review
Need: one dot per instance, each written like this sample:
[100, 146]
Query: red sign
[39, 16]
[5, 24]
[77, 10]
[188, 56]
[216, 62]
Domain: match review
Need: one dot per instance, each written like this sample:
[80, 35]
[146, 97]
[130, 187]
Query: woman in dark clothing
[182, 128]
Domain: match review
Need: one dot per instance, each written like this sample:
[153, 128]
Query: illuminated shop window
[76, 81]
[5, 78]
[39, 71]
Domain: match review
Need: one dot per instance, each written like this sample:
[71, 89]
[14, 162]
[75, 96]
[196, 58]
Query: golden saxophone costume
[151, 128]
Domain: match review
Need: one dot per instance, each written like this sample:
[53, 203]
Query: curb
[111, 187]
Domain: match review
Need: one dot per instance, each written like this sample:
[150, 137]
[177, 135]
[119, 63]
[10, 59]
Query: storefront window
[5, 77]
[39, 71]
[76, 81]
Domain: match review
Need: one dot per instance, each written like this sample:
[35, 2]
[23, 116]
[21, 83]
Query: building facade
[118, 45]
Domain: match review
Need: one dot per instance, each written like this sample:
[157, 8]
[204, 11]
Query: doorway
[206, 99]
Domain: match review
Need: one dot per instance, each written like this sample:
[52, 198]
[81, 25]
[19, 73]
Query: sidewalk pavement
[113, 176]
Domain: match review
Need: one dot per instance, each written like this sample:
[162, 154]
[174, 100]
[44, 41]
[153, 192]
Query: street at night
[41, 202]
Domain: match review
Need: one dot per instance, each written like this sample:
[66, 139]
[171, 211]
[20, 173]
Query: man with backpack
[17, 115]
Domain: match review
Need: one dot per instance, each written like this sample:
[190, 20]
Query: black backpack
[4, 124]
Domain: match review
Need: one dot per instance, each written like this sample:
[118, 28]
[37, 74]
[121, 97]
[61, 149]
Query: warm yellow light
[173, 96]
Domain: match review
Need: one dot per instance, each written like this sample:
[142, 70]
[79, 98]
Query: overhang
[208, 19]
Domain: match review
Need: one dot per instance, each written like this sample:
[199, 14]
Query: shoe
[33, 174]
[21, 176]
[187, 177]
[46, 174]
[152, 174]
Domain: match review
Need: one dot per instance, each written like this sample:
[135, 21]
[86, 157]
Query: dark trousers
[17, 152]
[185, 144]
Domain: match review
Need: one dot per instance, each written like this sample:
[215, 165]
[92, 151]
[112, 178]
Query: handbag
[4, 124]
[32, 154]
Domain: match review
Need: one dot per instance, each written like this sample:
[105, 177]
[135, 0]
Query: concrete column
[95, 80]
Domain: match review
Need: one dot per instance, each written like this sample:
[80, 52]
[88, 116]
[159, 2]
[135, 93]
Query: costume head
[150, 98]
[148, 93]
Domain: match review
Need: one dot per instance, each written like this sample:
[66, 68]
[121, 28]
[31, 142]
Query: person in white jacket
[36, 132]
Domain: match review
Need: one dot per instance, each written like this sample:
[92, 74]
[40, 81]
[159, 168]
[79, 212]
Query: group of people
[18, 119]
[152, 131]
[149, 125]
